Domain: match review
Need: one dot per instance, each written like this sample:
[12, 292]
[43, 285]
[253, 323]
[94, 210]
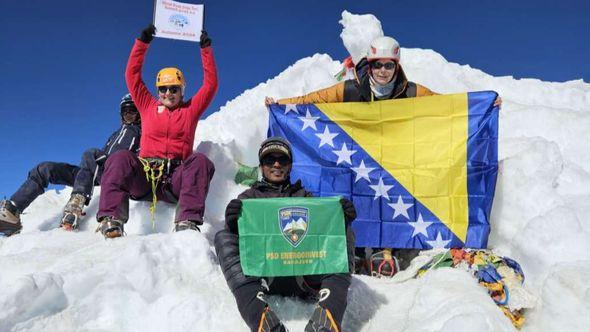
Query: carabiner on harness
[153, 169]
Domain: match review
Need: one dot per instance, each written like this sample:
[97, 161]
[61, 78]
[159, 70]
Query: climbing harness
[155, 169]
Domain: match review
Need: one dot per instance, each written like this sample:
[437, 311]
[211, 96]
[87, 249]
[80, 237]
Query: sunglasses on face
[129, 110]
[270, 160]
[173, 89]
[379, 65]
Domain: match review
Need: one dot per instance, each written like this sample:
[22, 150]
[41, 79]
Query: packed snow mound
[153, 279]
[357, 33]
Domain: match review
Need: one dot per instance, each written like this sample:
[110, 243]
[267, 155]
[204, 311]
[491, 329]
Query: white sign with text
[178, 20]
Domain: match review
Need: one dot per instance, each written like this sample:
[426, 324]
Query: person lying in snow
[378, 76]
[82, 178]
[166, 167]
[275, 158]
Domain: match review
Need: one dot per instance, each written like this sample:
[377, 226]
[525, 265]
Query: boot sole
[113, 234]
[68, 227]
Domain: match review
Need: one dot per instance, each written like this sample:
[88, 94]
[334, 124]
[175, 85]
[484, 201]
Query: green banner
[292, 236]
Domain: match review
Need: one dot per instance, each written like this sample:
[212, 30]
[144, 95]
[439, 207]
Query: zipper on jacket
[119, 137]
[122, 135]
[167, 132]
[132, 142]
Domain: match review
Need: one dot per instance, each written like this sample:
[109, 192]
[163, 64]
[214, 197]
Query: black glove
[205, 40]
[232, 213]
[147, 35]
[348, 209]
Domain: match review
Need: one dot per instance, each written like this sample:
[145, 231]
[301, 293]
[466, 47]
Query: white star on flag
[420, 226]
[400, 208]
[344, 154]
[438, 242]
[362, 172]
[291, 107]
[308, 121]
[327, 137]
[381, 189]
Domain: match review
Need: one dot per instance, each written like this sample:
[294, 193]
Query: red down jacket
[168, 133]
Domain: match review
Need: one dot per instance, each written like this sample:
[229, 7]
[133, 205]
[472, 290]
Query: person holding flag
[378, 76]
[166, 168]
[331, 290]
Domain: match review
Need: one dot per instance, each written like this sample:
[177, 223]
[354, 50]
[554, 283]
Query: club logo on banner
[293, 222]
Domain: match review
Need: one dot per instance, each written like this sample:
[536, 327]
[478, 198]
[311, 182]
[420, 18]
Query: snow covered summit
[156, 280]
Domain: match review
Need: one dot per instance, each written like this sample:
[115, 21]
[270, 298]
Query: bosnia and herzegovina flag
[421, 172]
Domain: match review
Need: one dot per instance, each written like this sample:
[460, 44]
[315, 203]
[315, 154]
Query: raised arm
[204, 96]
[139, 92]
[422, 91]
[333, 94]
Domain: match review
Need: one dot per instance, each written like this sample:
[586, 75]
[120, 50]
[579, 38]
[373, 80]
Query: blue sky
[63, 61]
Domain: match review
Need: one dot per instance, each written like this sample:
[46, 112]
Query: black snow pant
[330, 289]
[82, 178]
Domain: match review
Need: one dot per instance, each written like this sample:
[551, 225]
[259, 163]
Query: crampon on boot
[384, 264]
[269, 322]
[183, 225]
[361, 265]
[321, 321]
[9, 218]
[73, 212]
[111, 227]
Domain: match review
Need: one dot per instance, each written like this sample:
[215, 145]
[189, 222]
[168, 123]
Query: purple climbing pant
[124, 177]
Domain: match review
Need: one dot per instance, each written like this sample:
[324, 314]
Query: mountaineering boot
[269, 322]
[186, 224]
[9, 218]
[73, 212]
[384, 264]
[111, 227]
[361, 265]
[405, 257]
[321, 321]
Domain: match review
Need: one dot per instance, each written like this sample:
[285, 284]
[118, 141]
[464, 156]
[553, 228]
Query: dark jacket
[126, 138]
[359, 89]
[246, 288]
[260, 189]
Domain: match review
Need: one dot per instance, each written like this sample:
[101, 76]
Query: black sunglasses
[379, 65]
[270, 160]
[172, 89]
[128, 109]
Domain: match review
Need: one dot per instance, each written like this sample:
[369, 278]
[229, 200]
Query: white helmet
[383, 48]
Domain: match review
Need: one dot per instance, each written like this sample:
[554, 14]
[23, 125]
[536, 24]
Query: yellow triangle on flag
[422, 143]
